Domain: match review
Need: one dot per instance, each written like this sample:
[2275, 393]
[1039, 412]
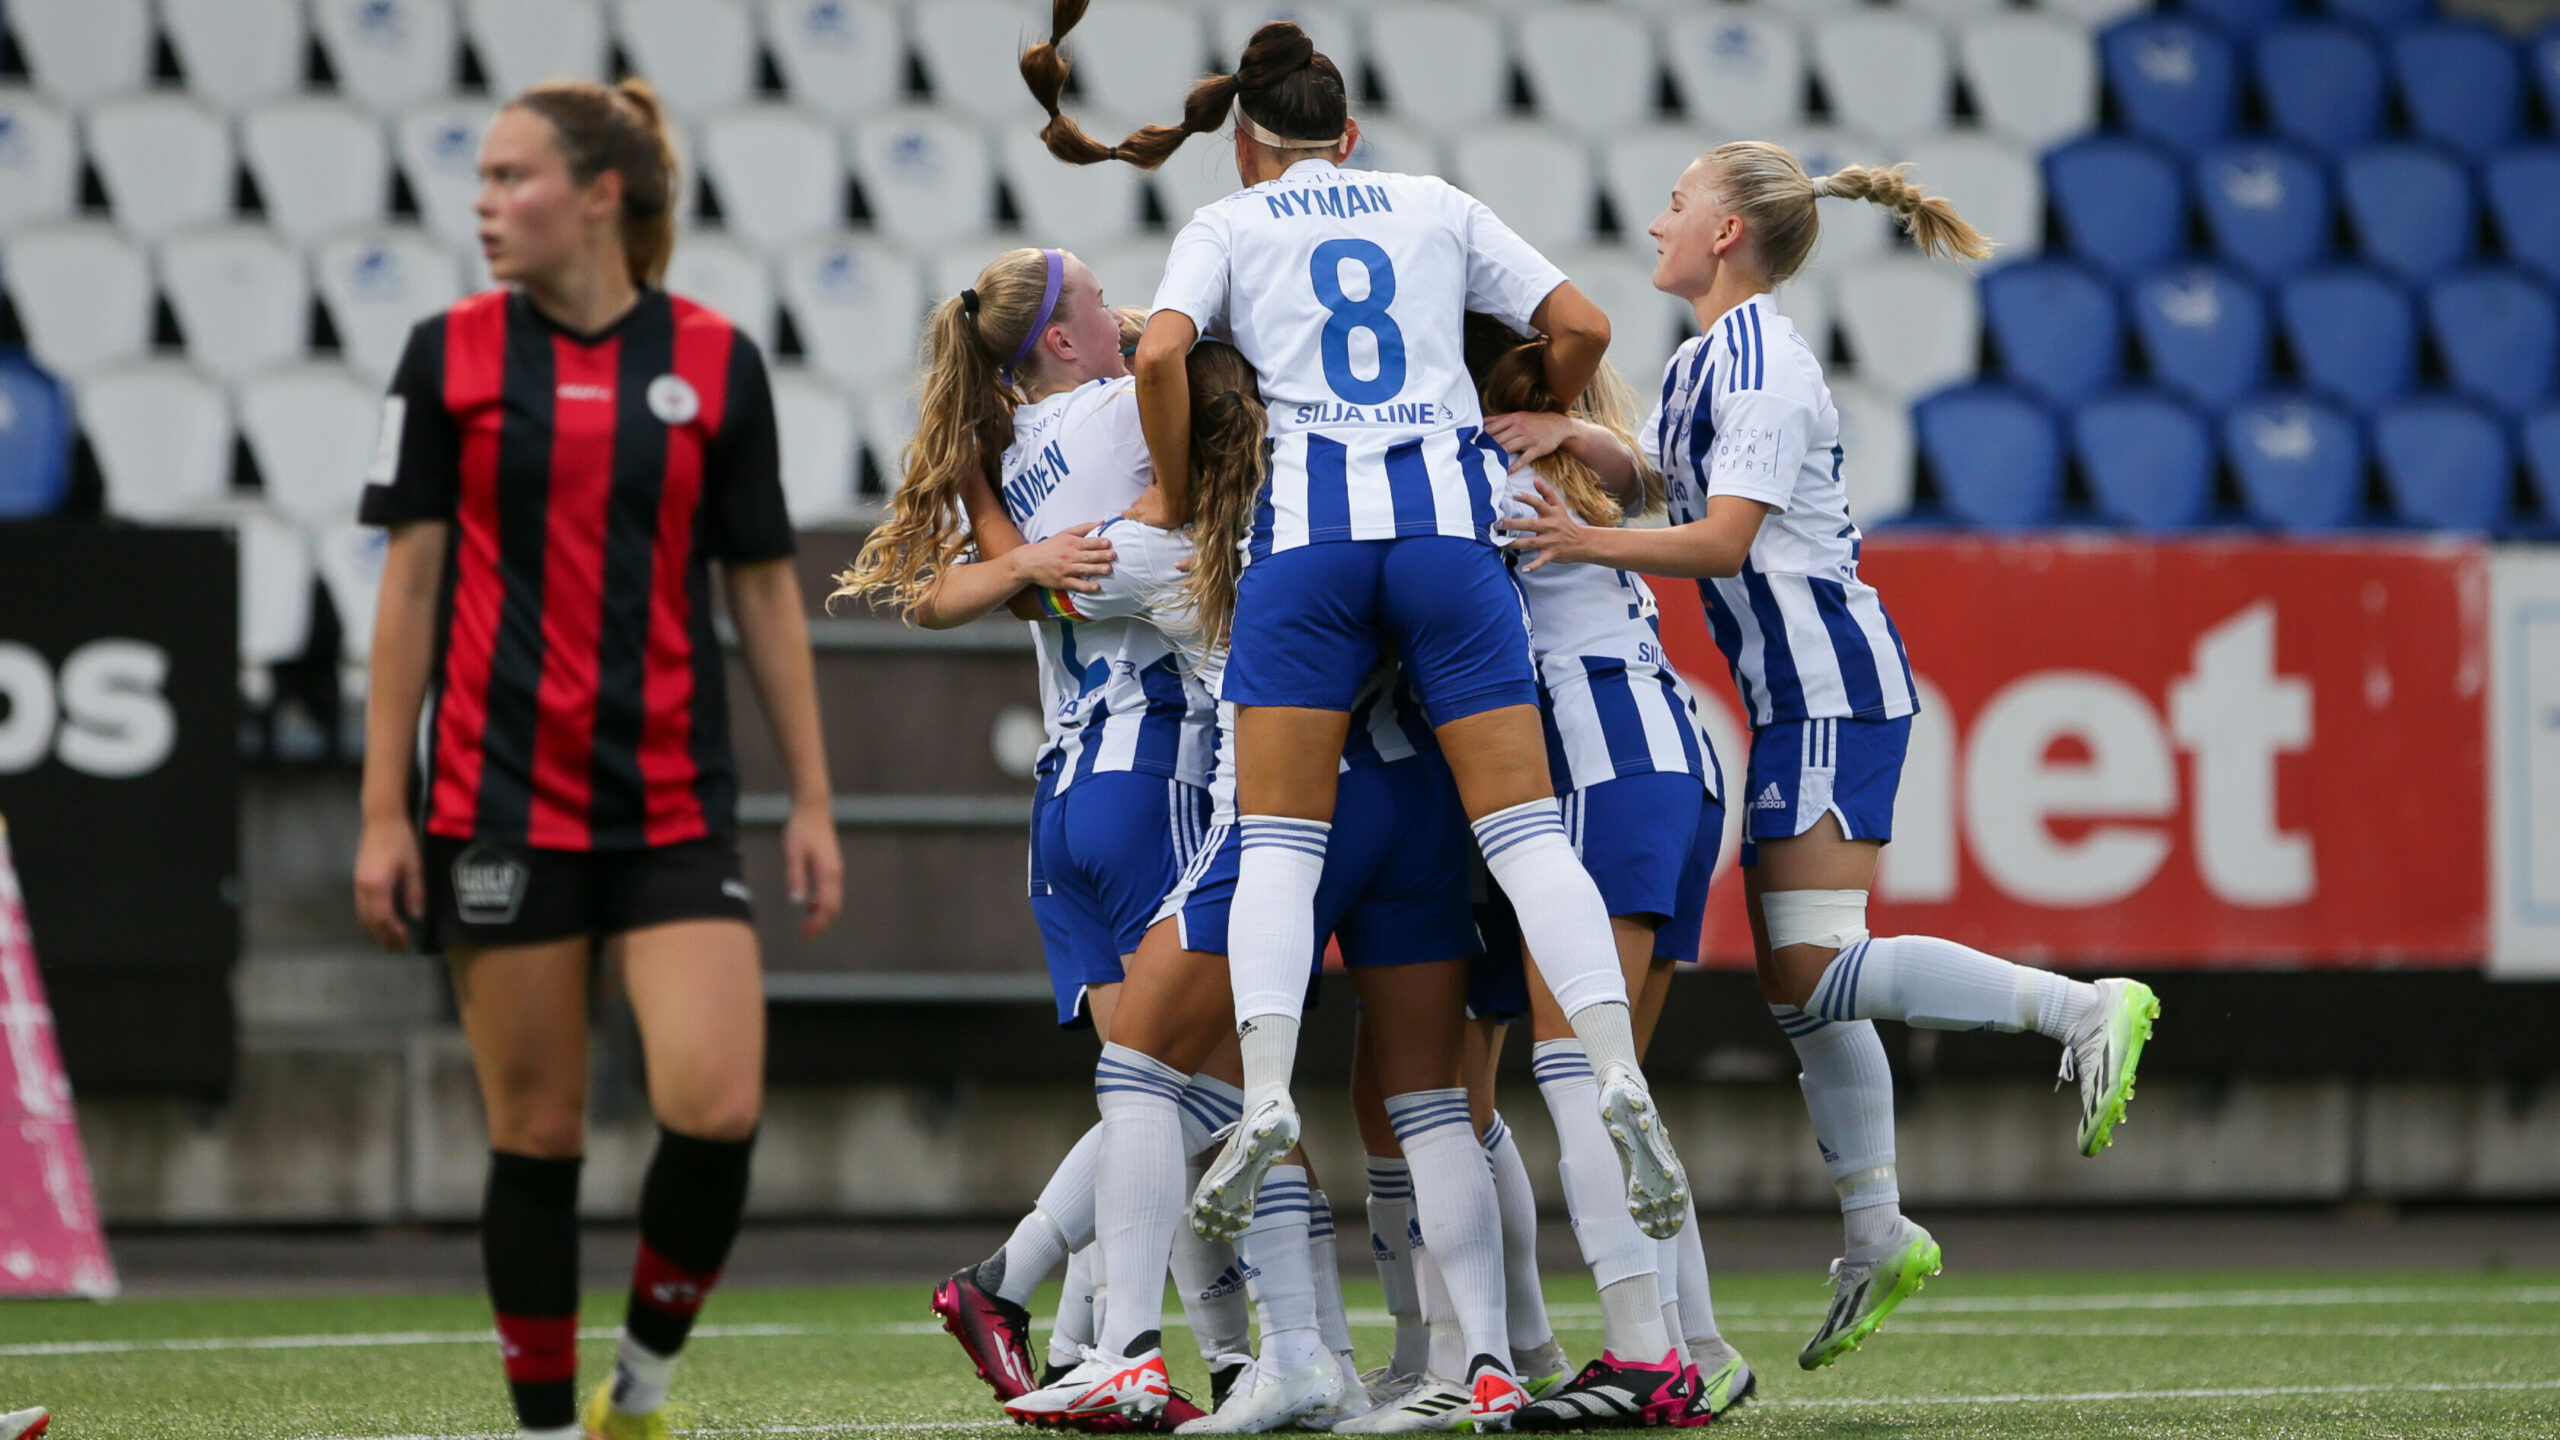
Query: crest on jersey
[488, 884]
[672, 400]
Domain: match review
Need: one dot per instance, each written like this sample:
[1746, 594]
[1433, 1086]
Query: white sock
[1333, 1322]
[640, 1377]
[1595, 1196]
[1138, 1199]
[1453, 1198]
[1940, 985]
[1697, 1303]
[1391, 1242]
[1209, 1105]
[1271, 938]
[1060, 1223]
[1631, 1319]
[1211, 1281]
[1278, 1271]
[1073, 1329]
[1563, 921]
[1607, 1033]
[1446, 1355]
[1524, 1300]
[1848, 1091]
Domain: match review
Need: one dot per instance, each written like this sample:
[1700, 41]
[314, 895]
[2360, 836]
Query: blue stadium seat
[2542, 57]
[2523, 189]
[2446, 463]
[2323, 83]
[2240, 17]
[2267, 205]
[2120, 200]
[2411, 207]
[2353, 331]
[2381, 14]
[2497, 331]
[2541, 435]
[2055, 325]
[1995, 452]
[2149, 459]
[2299, 461]
[35, 438]
[2205, 332]
[2461, 83]
[2175, 78]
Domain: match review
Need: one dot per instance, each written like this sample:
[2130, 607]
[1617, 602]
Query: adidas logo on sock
[1770, 799]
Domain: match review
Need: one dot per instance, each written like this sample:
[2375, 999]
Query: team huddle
[1343, 639]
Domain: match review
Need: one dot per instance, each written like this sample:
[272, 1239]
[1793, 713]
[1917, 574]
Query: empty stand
[2149, 459]
[1740, 71]
[1139, 57]
[2411, 207]
[439, 148]
[1645, 325]
[275, 595]
[1879, 454]
[2175, 78]
[2542, 57]
[2323, 83]
[1443, 64]
[2381, 14]
[927, 175]
[2056, 328]
[971, 51]
[388, 55]
[1885, 74]
[1996, 455]
[1536, 180]
[2267, 204]
[843, 57]
[821, 456]
[1128, 272]
[2540, 437]
[2034, 78]
[1070, 205]
[1851, 230]
[2446, 463]
[1638, 169]
[165, 161]
[82, 293]
[321, 166]
[1994, 183]
[236, 52]
[313, 430]
[779, 173]
[730, 278]
[2353, 331]
[39, 160]
[2241, 17]
[84, 50]
[2204, 331]
[2461, 82]
[1592, 69]
[1202, 174]
[888, 422]
[857, 307]
[161, 432]
[2522, 186]
[524, 42]
[378, 284]
[35, 438]
[2120, 200]
[700, 55]
[349, 557]
[1807, 301]
[241, 297]
[2299, 461]
[2498, 333]
[1912, 324]
[1329, 24]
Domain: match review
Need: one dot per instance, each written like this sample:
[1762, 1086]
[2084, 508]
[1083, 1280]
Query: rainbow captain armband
[1057, 604]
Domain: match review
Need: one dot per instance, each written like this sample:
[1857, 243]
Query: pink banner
[50, 1241]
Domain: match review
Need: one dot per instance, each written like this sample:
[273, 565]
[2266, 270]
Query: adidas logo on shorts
[1770, 799]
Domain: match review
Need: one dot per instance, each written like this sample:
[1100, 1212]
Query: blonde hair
[621, 128]
[1765, 185]
[1228, 462]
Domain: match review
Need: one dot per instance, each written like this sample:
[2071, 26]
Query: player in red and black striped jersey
[548, 767]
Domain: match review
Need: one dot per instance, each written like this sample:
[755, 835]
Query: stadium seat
[1851, 230]
[1994, 183]
[2204, 331]
[700, 55]
[887, 418]
[1740, 71]
[2323, 83]
[275, 596]
[2149, 459]
[165, 161]
[1878, 454]
[1443, 64]
[2267, 204]
[1645, 325]
[2380, 14]
[2241, 17]
[1954, 14]
[778, 173]
[1384, 145]
[2121, 202]
[522, 43]
[1592, 69]
[2299, 461]
[1327, 22]
[2498, 333]
[241, 297]
[39, 160]
[2175, 78]
[927, 175]
[1995, 453]
[1807, 301]
[83, 295]
[2523, 189]
[1072, 205]
[388, 54]
[1912, 324]
[349, 559]
[972, 53]
[717, 271]
[1638, 169]
[312, 429]
[378, 285]
[2540, 434]
[1201, 174]
[35, 439]
[821, 455]
[1130, 271]
[2446, 462]
[321, 166]
[440, 157]
[845, 58]
[2056, 328]
[2094, 14]
[80, 51]
[1888, 75]
[1537, 179]
[1138, 57]
[161, 433]
[2353, 332]
[2410, 206]
[236, 52]
[2542, 56]
[2034, 78]
[857, 307]
[2461, 83]
[950, 269]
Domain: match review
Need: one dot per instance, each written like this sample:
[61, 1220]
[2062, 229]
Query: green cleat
[1865, 1292]
[2103, 1055]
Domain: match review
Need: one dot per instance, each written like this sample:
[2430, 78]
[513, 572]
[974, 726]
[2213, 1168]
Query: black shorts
[483, 893]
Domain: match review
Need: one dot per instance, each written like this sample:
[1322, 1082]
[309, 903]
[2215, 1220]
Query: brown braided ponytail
[1283, 84]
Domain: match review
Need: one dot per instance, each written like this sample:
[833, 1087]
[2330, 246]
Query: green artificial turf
[2317, 1355]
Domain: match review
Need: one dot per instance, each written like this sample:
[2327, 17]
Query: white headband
[1277, 143]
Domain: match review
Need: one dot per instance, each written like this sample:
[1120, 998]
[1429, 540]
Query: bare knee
[729, 1112]
[1788, 976]
[546, 1128]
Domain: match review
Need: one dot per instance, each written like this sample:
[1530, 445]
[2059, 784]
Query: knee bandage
[1833, 919]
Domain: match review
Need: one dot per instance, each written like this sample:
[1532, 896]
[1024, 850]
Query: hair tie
[1057, 262]
[969, 303]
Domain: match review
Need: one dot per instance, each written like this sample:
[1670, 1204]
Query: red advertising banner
[2199, 753]
[50, 1241]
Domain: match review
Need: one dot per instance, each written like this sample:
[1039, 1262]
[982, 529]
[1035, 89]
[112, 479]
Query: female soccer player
[1749, 442]
[560, 461]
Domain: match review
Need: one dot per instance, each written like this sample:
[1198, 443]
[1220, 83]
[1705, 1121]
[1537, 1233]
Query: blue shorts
[1802, 770]
[1650, 843]
[1103, 854]
[1394, 889]
[1311, 623]
[1498, 983]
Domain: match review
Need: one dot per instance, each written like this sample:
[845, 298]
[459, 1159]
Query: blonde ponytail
[1932, 223]
[1764, 184]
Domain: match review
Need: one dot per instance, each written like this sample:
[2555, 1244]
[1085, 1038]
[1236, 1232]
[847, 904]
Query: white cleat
[2104, 1056]
[24, 1424]
[1223, 1205]
[1657, 1188]
[1354, 1399]
[1104, 1387]
[1429, 1405]
[1266, 1400]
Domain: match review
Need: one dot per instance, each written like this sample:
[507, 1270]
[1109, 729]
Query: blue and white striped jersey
[1387, 725]
[1613, 704]
[1347, 291]
[1744, 411]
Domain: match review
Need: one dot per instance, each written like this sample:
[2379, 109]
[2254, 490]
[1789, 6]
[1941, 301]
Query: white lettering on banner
[1920, 864]
[2524, 790]
[26, 685]
[2013, 789]
[107, 718]
[2235, 715]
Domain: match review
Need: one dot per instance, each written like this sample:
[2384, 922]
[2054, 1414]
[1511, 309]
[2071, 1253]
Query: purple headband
[1048, 306]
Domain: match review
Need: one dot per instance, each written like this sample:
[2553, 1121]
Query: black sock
[689, 1207]
[529, 1250]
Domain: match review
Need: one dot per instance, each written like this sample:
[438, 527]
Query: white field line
[382, 1340]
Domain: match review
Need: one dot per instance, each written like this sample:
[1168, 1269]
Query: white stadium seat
[1139, 57]
[1130, 272]
[972, 51]
[1202, 172]
[1886, 74]
[1644, 324]
[1994, 183]
[1384, 145]
[719, 272]
[1954, 14]
[522, 43]
[843, 57]
[778, 172]
[927, 175]
[1851, 230]
[166, 162]
[1536, 180]
[39, 160]
[1232, 23]
[84, 50]
[1637, 171]
[1443, 64]
[2034, 79]
[857, 307]
[440, 154]
[954, 268]
[821, 453]
[82, 293]
[1592, 68]
[1912, 324]
[1740, 70]
[1807, 302]
[275, 595]
[321, 166]
[378, 285]
[313, 430]
[888, 418]
[388, 54]
[350, 563]
[241, 297]
[2092, 14]
[237, 52]
[699, 54]
[1070, 205]
[161, 432]
[1876, 451]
